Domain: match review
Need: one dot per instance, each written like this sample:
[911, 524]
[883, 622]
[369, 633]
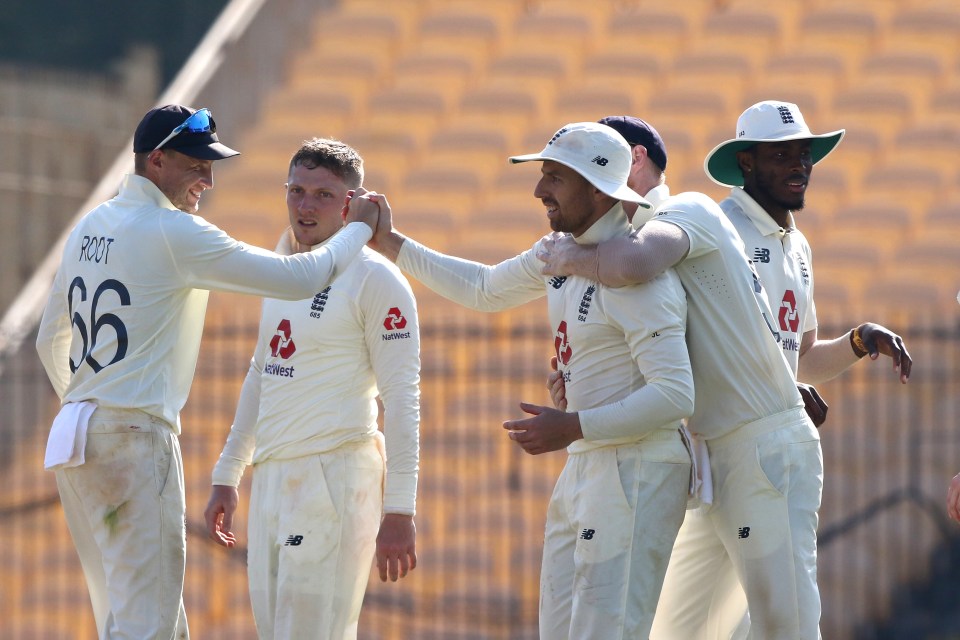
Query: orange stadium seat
[915, 75]
[539, 74]
[353, 74]
[844, 31]
[875, 221]
[387, 153]
[932, 30]
[810, 71]
[719, 71]
[511, 108]
[469, 33]
[749, 30]
[881, 110]
[915, 186]
[380, 33]
[574, 104]
[695, 111]
[933, 147]
[944, 107]
[642, 29]
[446, 73]
[636, 71]
[415, 110]
[306, 112]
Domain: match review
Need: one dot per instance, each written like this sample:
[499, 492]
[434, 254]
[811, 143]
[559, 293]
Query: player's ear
[745, 160]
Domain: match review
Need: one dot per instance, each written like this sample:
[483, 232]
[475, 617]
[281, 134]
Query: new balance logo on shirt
[761, 255]
[293, 541]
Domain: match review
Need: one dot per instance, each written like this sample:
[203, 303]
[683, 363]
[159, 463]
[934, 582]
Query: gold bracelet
[856, 343]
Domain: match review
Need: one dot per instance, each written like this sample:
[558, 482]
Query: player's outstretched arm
[822, 360]
[386, 240]
[396, 546]
[219, 514]
[617, 262]
[878, 340]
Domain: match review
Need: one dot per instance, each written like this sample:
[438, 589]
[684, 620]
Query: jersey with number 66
[123, 323]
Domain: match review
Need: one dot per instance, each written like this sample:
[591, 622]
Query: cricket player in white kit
[119, 340]
[618, 503]
[768, 164]
[764, 450]
[307, 420]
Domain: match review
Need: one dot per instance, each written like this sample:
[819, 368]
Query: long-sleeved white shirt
[784, 261]
[622, 350]
[317, 370]
[728, 315]
[123, 322]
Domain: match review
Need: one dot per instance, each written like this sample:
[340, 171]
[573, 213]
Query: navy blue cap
[159, 122]
[638, 132]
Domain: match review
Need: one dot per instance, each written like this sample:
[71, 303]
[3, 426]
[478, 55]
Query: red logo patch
[281, 345]
[562, 345]
[394, 320]
[789, 318]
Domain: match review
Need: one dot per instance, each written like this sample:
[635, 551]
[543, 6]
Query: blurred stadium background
[436, 94]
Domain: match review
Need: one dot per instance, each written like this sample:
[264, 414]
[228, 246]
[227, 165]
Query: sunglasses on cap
[197, 122]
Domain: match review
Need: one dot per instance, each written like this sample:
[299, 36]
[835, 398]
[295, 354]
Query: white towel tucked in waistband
[703, 464]
[68, 436]
[701, 477]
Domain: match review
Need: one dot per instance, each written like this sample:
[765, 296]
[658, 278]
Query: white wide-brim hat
[598, 153]
[768, 121]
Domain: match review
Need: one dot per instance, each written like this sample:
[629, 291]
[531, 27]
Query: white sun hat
[768, 121]
[598, 153]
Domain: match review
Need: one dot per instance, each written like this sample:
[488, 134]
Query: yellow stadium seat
[386, 153]
[845, 31]
[719, 72]
[306, 112]
[811, 72]
[932, 147]
[931, 30]
[414, 110]
[943, 107]
[445, 73]
[575, 104]
[750, 30]
[467, 32]
[539, 74]
[380, 34]
[914, 75]
[641, 29]
[881, 110]
[913, 185]
[512, 108]
[639, 72]
[694, 110]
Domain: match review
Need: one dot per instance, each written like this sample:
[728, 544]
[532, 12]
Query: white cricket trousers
[125, 509]
[611, 523]
[760, 532]
[312, 532]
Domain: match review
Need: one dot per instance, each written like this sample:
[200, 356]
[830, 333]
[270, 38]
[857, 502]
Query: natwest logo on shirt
[281, 345]
[562, 344]
[395, 322]
[789, 316]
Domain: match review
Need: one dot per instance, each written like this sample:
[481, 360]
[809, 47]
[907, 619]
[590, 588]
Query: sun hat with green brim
[768, 121]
